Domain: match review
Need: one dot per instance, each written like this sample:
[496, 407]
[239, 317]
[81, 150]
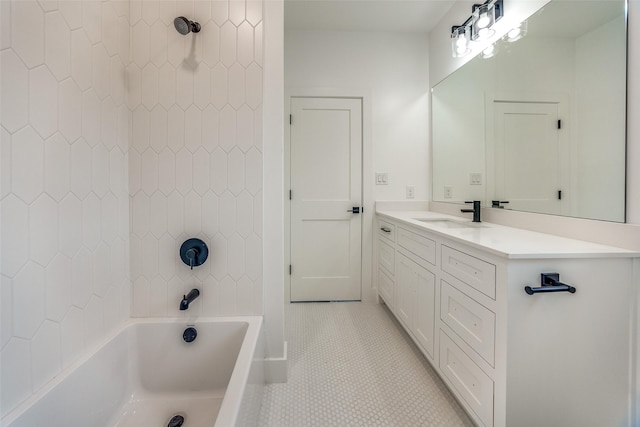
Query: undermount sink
[449, 223]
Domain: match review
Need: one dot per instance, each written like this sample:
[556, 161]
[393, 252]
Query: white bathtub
[147, 373]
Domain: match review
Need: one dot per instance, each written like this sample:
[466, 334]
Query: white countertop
[514, 243]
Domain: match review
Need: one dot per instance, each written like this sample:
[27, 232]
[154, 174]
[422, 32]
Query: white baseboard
[275, 369]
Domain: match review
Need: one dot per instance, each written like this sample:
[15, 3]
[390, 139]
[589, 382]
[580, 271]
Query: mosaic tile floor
[351, 364]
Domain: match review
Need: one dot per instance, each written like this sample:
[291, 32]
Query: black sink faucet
[475, 210]
[188, 298]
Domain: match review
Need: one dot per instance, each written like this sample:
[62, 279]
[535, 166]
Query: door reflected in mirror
[539, 120]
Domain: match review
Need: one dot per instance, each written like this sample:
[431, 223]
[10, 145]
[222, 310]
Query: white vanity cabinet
[512, 359]
[386, 262]
[415, 301]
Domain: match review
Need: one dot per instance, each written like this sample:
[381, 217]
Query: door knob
[355, 210]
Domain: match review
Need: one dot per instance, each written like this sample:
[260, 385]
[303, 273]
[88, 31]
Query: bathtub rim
[229, 408]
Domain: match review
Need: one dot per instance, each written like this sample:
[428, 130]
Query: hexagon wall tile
[43, 234]
[129, 97]
[29, 45]
[14, 80]
[27, 158]
[56, 167]
[65, 143]
[15, 226]
[28, 300]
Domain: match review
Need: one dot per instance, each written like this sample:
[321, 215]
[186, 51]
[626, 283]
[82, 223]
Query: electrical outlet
[382, 178]
[411, 191]
[475, 178]
[448, 192]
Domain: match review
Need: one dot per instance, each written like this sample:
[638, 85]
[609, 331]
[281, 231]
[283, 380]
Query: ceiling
[414, 16]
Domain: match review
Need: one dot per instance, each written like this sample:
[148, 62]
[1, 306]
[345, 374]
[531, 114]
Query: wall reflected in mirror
[539, 120]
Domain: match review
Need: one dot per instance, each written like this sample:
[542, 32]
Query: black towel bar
[550, 283]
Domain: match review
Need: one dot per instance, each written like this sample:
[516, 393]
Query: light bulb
[488, 51]
[483, 20]
[461, 41]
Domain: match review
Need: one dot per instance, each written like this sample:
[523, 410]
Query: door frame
[366, 281]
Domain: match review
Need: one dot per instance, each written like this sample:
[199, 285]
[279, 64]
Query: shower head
[185, 26]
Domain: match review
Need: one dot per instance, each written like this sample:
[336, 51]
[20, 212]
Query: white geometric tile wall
[196, 155]
[64, 191]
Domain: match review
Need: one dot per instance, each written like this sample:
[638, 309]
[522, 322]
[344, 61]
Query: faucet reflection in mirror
[477, 27]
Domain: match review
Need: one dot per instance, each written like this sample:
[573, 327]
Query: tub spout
[188, 298]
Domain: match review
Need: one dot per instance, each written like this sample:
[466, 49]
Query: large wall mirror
[539, 122]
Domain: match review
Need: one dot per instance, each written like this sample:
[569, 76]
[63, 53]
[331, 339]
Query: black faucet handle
[475, 210]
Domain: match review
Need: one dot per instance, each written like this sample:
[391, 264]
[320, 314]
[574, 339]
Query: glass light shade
[460, 38]
[483, 19]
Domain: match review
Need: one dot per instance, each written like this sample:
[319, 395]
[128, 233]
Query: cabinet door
[424, 322]
[386, 256]
[415, 301]
[385, 288]
[405, 290]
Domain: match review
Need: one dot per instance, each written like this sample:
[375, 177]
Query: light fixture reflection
[516, 33]
[489, 52]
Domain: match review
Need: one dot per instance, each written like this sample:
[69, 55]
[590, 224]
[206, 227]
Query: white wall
[64, 201]
[393, 68]
[273, 175]
[196, 156]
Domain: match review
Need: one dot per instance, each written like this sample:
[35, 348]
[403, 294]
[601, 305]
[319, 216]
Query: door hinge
[289, 269]
[559, 194]
[289, 194]
[559, 124]
[290, 118]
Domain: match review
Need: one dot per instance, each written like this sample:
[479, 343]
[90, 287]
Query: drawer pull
[550, 283]
[385, 229]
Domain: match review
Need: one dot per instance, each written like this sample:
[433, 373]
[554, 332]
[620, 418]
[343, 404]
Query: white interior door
[527, 157]
[326, 184]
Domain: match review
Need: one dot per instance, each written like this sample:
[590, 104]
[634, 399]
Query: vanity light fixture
[477, 27]
[483, 19]
[460, 40]
[516, 33]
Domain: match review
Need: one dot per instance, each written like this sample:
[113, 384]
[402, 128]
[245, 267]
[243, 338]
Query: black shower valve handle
[194, 252]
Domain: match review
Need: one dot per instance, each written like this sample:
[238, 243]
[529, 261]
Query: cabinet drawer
[385, 288]
[473, 322]
[419, 245]
[475, 272]
[386, 256]
[387, 230]
[470, 383]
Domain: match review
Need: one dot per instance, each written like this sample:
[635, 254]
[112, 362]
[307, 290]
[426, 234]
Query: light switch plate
[382, 178]
[475, 178]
